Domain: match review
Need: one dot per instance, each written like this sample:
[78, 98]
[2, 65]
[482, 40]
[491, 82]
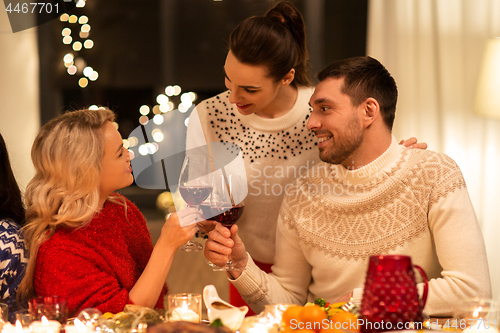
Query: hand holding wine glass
[195, 186]
[225, 209]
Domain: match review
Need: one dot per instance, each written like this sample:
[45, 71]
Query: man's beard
[343, 147]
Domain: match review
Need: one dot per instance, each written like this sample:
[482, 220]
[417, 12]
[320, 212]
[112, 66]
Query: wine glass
[225, 209]
[195, 186]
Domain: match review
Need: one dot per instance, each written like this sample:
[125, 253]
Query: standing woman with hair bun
[265, 112]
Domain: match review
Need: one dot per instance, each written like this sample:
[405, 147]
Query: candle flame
[80, 326]
[45, 321]
[184, 306]
[19, 326]
[476, 311]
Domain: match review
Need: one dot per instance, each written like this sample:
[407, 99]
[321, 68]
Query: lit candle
[45, 326]
[185, 314]
[79, 327]
[9, 328]
[480, 325]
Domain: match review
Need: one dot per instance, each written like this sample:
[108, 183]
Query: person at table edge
[370, 196]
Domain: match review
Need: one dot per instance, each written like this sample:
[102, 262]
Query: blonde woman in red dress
[87, 243]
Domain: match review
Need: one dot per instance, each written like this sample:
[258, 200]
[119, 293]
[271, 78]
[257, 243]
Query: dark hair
[366, 77]
[277, 41]
[11, 201]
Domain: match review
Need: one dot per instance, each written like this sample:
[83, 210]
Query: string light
[74, 62]
[144, 110]
[83, 82]
[88, 44]
[165, 103]
[77, 46]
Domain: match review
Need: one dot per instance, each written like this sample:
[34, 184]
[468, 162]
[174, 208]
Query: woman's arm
[148, 287]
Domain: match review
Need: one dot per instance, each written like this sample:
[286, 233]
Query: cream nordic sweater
[408, 201]
[275, 152]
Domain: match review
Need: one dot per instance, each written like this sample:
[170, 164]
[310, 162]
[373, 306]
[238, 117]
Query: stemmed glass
[224, 208]
[195, 186]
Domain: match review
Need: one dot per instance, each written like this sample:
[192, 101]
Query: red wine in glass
[195, 195]
[224, 208]
[227, 216]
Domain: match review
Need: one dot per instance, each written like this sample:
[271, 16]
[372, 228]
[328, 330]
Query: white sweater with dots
[275, 152]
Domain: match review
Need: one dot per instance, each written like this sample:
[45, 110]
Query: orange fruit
[290, 314]
[344, 320]
[312, 317]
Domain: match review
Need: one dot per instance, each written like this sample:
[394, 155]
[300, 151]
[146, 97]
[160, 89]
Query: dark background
[140, 47]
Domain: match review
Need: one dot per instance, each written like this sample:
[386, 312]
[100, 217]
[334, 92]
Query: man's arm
[289, 281]
[459, 246]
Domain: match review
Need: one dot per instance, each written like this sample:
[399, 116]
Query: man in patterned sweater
[371, 196]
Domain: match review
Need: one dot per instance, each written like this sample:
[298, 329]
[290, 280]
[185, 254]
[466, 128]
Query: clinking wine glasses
[225, 206]
[195, 186]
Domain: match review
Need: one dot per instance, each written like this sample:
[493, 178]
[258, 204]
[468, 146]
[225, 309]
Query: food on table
[290, 314]
[131, 317]
[187, 327]
[312, 316]
[318, 317]
[345, 320]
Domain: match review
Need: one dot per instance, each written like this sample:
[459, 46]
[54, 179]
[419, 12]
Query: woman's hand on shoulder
[173, 234]
[413, 143]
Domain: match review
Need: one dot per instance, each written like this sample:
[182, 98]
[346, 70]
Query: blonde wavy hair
[67, 155]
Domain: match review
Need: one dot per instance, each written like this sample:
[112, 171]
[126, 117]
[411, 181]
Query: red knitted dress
[96, 266]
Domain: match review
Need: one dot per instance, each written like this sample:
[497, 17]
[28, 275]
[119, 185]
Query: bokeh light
[87, 71]
[177, 90]
[156, 109]
[93, 76]
[161, 99]
[77, 46]
[73, 19]
[133, 141]
[83, 82]
[68, 58]
[89, 43]
[83, 19]
[66, 32]
[158, 137]
[143, 120]
[85, 28]
[72, 70]
[67, 40]
[144, 110]
[169, 91]
[143, 150]
[158, 119]
[132, 154]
